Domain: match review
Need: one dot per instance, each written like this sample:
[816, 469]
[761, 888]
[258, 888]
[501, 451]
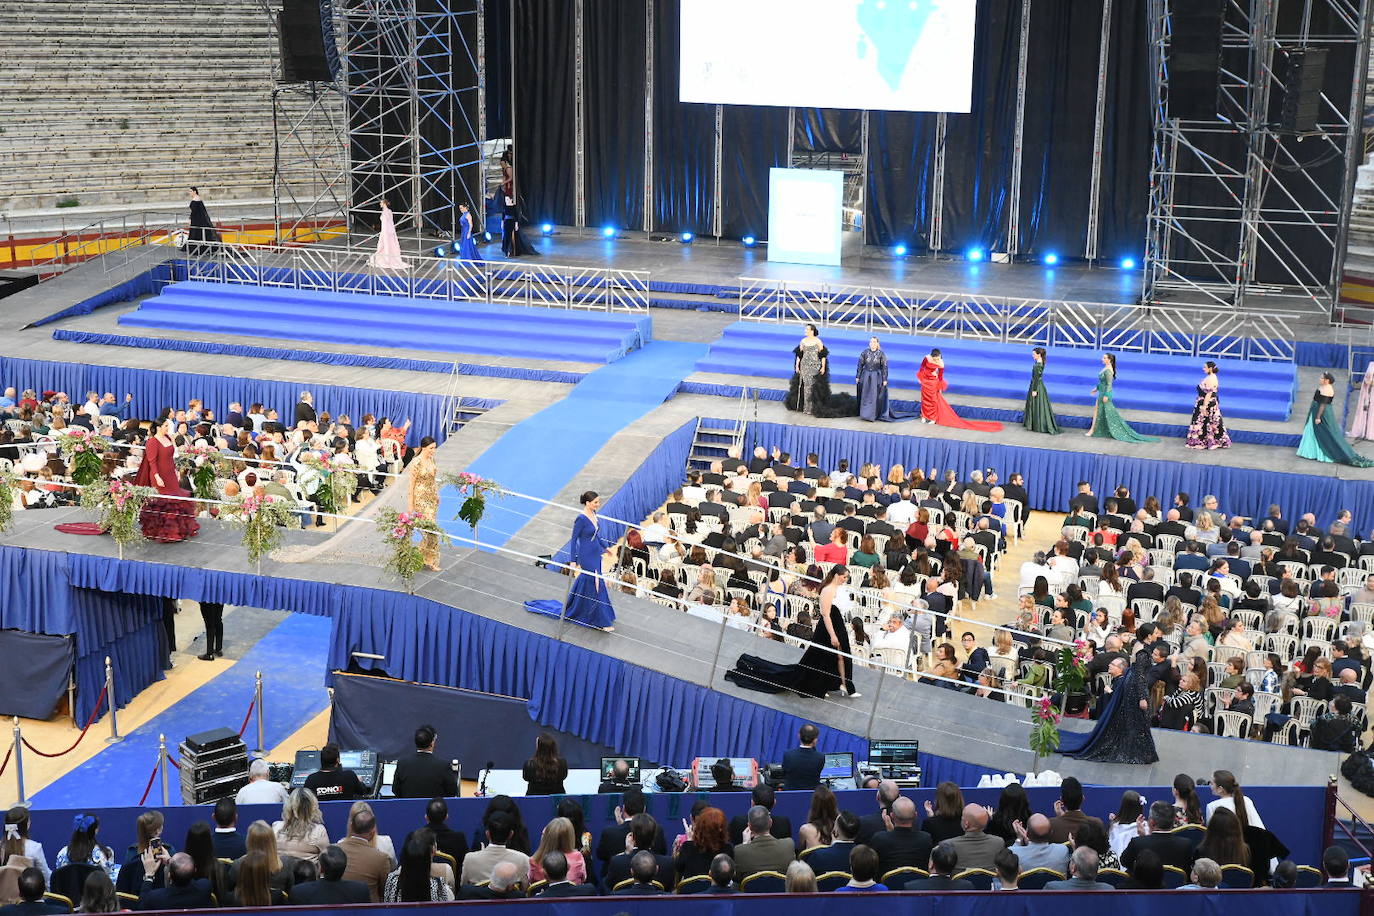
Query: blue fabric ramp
[292, 658]
[541, 454]
[393, 321]
[1251, 389]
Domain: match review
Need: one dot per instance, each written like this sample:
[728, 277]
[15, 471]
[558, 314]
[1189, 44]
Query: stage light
[441, 251]
[975, 254]
[486, 236]
[608, 231]
[899, 251]
[1051, 259]
[686, 238]
[1128, 263]
[547, 228]
[749, 241]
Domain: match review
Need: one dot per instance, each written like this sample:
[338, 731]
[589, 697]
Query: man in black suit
[724, 776]
[835, 857]
[421, 775]
[331, 888]
[722, 874]
[181, 893]
[902, 845]
[763, 796]
[813, 469]
[642, 830]
[555, 866]
[227, 839]
[645, 869]
[759, 463]
[943, 862]
[1340, 538]
[1172, 848]
[1336, 865]
[870, 824]
[1084, 500]
[882, 526]
[1172, 525]
[450, 842]
[801, 766]
[612, 841]
[713, 507]
[305, 410]
[1146, 588]
[31, 888]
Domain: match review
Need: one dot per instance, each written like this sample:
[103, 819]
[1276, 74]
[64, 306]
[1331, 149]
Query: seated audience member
[31, 902]
[762, 851]
[507, 883]
[1008, 868]
[641, 837]
[1336, 867]
[644, 869]
[975, 848]
[97, 896]
[254, 879]
[901, 845]
[300, 832]
[1285, 875]
[722, 874]
[764, 796]
[261, 790]
[450, 841]
[1206, 875]
[555, 866]
[944, 861]
[1035, 849]
[477, 865]
[1147, 872]
[331, 888]
[835, 857]
[413, 881]
[1069, 814]
[560, 836]
[863, 870]
[227, 839]
[1337, 730]
[366, 864]
[708, 838]
[1082, 873]
[801, 879]
[1169, 848]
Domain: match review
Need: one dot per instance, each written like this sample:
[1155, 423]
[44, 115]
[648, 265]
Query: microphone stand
[482, 783]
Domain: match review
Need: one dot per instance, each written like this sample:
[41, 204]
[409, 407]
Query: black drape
[543, 73]
[497, 17]
[1127, 130]
[613, 88]
[753, 140]
[901, 158]
[684, 137]
[835, 130]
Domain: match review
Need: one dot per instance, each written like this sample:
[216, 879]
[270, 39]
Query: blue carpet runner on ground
[292, 658]
[539, 455]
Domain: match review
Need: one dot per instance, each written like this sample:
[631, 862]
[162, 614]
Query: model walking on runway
[467, 247]
[1207, 429]
[1038, 416]
[1107, 421]
[870, 384]
[1321, 437]
[588, 601]
[388, 253]
[934, 408]
[1362, 417]
[809, 390]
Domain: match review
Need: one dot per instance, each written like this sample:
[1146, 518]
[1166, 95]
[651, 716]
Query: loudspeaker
[1303, 74]
[1194, 58]
[301, 39]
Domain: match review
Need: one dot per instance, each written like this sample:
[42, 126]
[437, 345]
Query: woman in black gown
[202, 229]
[513, 243]
[825, 665]
[1122, 734]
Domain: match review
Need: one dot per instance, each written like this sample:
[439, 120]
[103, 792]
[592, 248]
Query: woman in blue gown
[1322, 438]
[1122, 733]
[467, 246]
[870, 384]
[588, 601]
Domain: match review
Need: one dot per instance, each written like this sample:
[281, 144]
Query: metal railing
[330, 269]
[1124, 328]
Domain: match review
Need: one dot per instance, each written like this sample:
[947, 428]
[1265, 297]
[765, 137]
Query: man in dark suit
[181, 893]
[759, 463]
[1173, 525]
[1068, 814]
[555, 866]
[713, 507]
[331, 888]
[835, 857]
[1336, 865]
[1342, 540]
[31, 888]
[903, 845]
[227, 839]
[763, 796]
[645, 870]
[722, 874]
[1172, 848]
[305, 409]
[1146, 588]
[943, 862]
[870, 824]
[642, 830]
[1327, 555]
[421, 775]
[450, 841]
[801, 766]
[1085, 500]
[612, 842]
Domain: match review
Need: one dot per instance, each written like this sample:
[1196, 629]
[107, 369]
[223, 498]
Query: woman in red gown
[934, 408]
[164, 520]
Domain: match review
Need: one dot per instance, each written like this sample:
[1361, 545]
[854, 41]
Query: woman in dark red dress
[934, 408]
[165, 520]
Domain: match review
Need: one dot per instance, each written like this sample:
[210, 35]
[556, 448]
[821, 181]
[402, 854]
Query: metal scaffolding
[1244, 214]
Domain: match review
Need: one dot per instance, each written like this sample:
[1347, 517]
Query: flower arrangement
[1044, 735]
[340, 482]
[6, 500]
[1071, 667]
[475, 490]
[117, 504]
[203, 465]
[398, 533]
[263, 520]
[82, 449]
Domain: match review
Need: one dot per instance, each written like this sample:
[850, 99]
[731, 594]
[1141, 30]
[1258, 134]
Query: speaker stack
[214, 765]
[1194, 58]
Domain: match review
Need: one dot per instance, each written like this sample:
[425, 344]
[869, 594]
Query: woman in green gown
[1322, 438]
[1107, 422]
[1038, 416]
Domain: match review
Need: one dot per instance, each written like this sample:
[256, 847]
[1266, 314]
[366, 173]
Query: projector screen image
[879, 55]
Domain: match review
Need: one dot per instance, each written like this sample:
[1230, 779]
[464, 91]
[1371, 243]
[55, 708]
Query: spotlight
[686, 238]
[608, 232]
[441, 251]
[1128, 263]
[749, 241]
[1051, 259]
[975, 254]
[899, 251]
[547, 228]
[486, 236]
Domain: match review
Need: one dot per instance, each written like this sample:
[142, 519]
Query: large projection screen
[805, 216]
[875, 55]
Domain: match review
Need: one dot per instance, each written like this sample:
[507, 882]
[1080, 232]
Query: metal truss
[1241, 214]
[414, 78]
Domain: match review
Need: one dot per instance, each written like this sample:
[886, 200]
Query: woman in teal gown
[1038, 416]
[1107, 422]
[1322, 438]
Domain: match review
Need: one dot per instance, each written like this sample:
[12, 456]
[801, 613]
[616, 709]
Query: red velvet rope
[246, 719]
[149, 787]
[8, 754]
[89, 722]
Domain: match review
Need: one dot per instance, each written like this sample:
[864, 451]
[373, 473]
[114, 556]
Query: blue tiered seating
[393, 321]
[1251, 390]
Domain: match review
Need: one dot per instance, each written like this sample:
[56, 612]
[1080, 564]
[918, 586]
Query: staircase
[714, 438]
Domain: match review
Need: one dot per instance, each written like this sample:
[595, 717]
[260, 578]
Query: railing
[1162, 330]
[330, 269]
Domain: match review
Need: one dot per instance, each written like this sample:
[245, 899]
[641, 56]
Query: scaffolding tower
[1244, 214]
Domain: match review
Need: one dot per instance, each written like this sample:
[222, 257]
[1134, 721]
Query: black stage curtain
[684, 137]
[543, 64]
[497, 18]
[753, 140]
[613, 64]
[33, 673]
[901, 158]
[1127, 131]
[833, 130]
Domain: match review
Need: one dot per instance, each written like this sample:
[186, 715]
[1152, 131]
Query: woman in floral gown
[1207, 429]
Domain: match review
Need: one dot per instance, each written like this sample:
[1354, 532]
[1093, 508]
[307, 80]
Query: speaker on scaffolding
[305, 35]
[1194, 58]
[1303, 73]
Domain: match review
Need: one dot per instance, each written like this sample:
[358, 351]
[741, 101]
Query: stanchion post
[71, 696]
[257, 698]
[162, 765]
[19, 762]
[115, 736]
[715, 659]
[877, 694]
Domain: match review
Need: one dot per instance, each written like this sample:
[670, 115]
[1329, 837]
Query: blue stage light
[608, 231]
[899, 251]
[975, 254]
[749, 241]
[1051, 259]
[441, 251]
[686, 238]
[486, 236]
[1128, 263]
[547, 228]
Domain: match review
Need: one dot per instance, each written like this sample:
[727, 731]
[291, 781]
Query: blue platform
[1251, 390]
[393, 321]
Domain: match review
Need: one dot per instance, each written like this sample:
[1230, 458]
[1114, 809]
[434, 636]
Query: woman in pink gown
[934, 408]
[165, 520]
[1362, 414]
[388, 256]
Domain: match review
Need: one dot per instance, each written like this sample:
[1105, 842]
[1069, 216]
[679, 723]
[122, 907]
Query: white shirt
[693, 495]
[740, 484]
[262, 792]
[654, 533]
[896, 639]
[1029, 572]
[1228, 586]
[1065, 568]
[1251, 814]
[901, 513]
[365, 452]
[839, 478]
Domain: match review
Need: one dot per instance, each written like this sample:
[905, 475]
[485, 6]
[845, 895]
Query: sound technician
[331, 782]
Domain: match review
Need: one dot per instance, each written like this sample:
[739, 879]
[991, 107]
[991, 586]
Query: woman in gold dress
[423, 497]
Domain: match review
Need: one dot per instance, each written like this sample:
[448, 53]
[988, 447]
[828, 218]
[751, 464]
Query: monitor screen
[894, 753]
[351, 760]
[743, 771]
[608, 764]
[838, 766]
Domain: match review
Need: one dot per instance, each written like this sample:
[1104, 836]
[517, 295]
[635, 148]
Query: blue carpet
[539, 455]
[292, 659]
